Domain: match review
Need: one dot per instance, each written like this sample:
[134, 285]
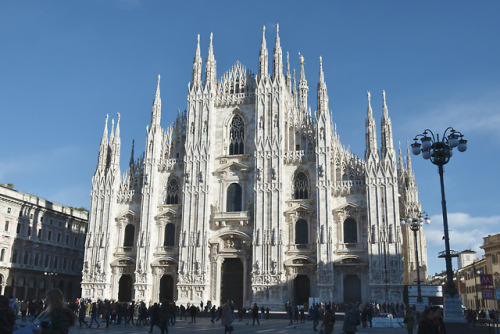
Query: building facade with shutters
[249, 196]
[41, 246]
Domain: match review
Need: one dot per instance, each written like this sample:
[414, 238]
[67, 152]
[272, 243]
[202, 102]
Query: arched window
[26, 258]
[236, 136]
[350, 231]
[2, 255]
[301, 232]
[301, 185]
[233, 202]
[128, 241]
[172, 191]
[169, 237]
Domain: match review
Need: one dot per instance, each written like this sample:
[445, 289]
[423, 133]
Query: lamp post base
[453, 312]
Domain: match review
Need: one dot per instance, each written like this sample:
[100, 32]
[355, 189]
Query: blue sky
[65, 64]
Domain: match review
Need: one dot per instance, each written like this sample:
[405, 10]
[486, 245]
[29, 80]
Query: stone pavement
[204, 326]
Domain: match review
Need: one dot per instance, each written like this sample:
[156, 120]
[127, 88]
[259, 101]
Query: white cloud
[466, 232]
[468, 114]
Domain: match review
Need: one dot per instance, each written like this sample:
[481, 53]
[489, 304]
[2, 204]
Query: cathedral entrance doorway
[301, 289]
[232, 281]
[125, 289]
[166, 288]
[352, 289]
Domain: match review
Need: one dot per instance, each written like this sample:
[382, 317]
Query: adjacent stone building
[41, 245]
[250, 196]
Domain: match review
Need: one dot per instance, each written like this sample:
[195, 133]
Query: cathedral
[250, 196]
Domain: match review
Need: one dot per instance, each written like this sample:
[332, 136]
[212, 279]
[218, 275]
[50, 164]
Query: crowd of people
[54, 315]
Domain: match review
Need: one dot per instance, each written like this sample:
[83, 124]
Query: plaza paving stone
[204, 326]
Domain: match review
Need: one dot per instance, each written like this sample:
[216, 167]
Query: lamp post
[414, 224]
[439, 151]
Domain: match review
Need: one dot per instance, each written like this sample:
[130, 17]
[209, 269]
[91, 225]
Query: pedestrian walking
[57, 317]
[7, 316]
[351, 320]
[154, 316]
[409, 321]
[82, 312]
[192, 312]
[255, 314]
[93, 315]
[164, 316]
[227, 318]
[328, 320]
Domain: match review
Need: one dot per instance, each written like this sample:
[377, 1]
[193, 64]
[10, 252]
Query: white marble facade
[248, 195]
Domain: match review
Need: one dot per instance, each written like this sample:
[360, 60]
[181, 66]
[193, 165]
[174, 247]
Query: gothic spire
[210, 67]
[288, 75]
[197, 66]
[116, 144]
[131, 163]
[400, 160]
[371, 135]
[278, 56]
[322, 91]
[408, 159]
[303, 88]
[263, 56]
[103, 148]
[387, 142]
[156, 112]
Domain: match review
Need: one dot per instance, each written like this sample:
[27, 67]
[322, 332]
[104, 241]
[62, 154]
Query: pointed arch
[301, 185]
[237, 136]
[172, 191]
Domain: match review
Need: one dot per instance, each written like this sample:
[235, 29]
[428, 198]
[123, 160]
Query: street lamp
[439, 151]
[414, 224]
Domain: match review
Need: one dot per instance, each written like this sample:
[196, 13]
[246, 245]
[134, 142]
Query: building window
[76, 241]
[39, 233]
[47, 259]
[72, 264]
[169, 238]
[236, 136]
[6, 225]
[64, 263]
[494, 258]
[67, 240]
[29, 231]
[128, 241]
[35, 263]
[55, 262]
[172, 192]
[18, 229]
[14, 256]
[301, 232]
[301, 186]
[9, 210]
[26, 258]
[350, 231]
[234, 198]
[49, 236]
[2, 255]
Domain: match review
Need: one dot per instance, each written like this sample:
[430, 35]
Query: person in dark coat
[328, 320]
[163, 316]
[351, 320]
[431, 321]
[7, 316]
[255, 314]
[57, 317]
[154, 317]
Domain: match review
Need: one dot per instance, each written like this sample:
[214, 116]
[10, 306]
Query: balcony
[125, 251]
[303, 249]
[166, 251]
[234, 219]
[350, 248]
